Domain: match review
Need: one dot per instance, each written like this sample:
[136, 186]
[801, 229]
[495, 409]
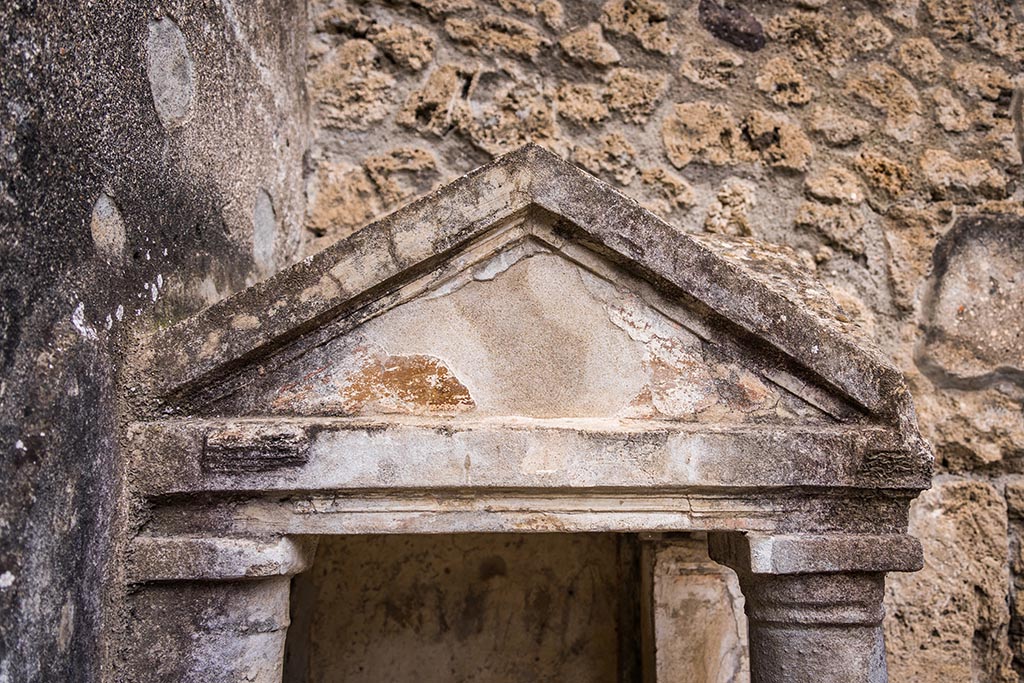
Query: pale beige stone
[671, 191]
[493, 33]
[401, 173]
[348, 88]
[730, 212]
[869, 34]
[920, 59]
[950, 114]
[981, 80]
[777, 141]
[700, 131]
[635, 94]
[885, 89]
[587, 44]
[887, 177]
[841, 225]
[809, 36]
[644, 20]
[613, 155]
[834, 185]
[710, 66]
[967, 180]
[836, 128]
[700, 628]
[783, 83]
[341, 199]
[581, 104]
[432, 108]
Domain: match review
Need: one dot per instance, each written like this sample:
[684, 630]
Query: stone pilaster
[210, 610]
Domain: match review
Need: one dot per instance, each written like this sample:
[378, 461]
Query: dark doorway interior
[470, 607]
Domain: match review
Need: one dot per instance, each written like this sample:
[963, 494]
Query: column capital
[774, 554]
[185, 558]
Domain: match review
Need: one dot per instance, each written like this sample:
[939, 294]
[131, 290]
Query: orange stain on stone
[404, 384]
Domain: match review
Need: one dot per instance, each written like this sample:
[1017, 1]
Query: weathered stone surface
[515, 115]
[976, 304]
[341, 199]
[107, 228]
[885, 89]
[705, 132]
[710, 66]
[835, 185]
[910, 235]
[581, 104]
[810, 36]
[402, 173]
[700, 131]
[181, 131]
[348, 89]
[670, 190]
[888, 178]
[588, 45]
[869, 34]
[948, 622]
[965, 180]
[88, 100]
[432, 108]
[264, 232]
[614, 155]
[729, 214]
[777, 141]
[921, 59]
[644, 20]
[985, 81]
[635, 94]
[842, 226]
[409, 45]
[813, 603]
[172, 75]
[836, 128]
[495, 33]
[950, 113]
[784, 85]
[973, 431]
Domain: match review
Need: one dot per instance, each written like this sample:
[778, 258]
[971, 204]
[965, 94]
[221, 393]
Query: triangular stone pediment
[527, 329]
[528, 289]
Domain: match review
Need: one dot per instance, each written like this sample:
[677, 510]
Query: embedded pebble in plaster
[172, 78]
[107, 227]
[264, 232]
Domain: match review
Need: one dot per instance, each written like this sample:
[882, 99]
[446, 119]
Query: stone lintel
[179, 558]
[756, 553]
[342, 455]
